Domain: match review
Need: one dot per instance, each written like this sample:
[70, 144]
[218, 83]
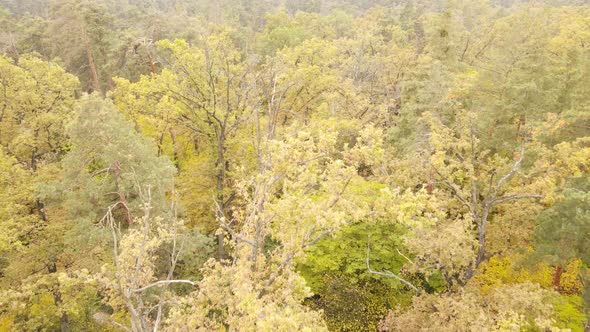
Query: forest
[294, 165]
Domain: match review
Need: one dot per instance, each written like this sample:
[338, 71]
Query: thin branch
[304, 162]
[340, 193]
[100, 171]
[404, 256]
[388, 273]
[513, 170]
[162, 282]
[305, 245]
[493, 173]
[474, 192]
[275, 275]
[121, 326]
[226, 227]
[455, 193]
[513, 197]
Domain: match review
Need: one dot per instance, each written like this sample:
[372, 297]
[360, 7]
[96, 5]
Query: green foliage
[563, 230]
[109, 163]
[570, 312]
[345, 254]
[17, 198]
[79, 33]
[43, 301]
[336, 270]
[36, 101]
[354, 306]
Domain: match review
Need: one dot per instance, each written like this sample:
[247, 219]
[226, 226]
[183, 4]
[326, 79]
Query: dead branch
[388, 273]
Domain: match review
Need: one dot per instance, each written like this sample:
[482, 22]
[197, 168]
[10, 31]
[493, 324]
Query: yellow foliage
[501, 270]
[6, 322]
[570, 282]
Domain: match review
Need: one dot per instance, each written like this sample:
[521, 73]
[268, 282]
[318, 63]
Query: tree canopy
[294, 165]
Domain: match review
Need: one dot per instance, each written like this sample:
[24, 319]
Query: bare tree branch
[512, 171]
[292, 254]
[455, 193]
[513, 197]
[404, 256]
[388, 273]
[160, 283]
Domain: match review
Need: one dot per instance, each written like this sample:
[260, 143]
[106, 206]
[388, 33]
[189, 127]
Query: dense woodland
[294, 165]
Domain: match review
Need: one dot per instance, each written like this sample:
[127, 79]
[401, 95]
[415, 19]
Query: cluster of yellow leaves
[506, 308]
[502, 270]
[43, 299]
[16, 198]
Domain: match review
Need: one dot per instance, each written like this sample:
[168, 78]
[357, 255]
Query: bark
[521, 124]
[90, 58]
[151, 63]
[430, 185]
[39, 203]
[220, 165]
[63, 320]
[174, 150]
[116, 169]
[482, 230]
[557, 277]
[41, 210]
[64, 323]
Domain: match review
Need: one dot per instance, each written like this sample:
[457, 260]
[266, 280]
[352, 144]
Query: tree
[562, 230]
[110, 165]
[80, 35]
[213, 93]
[132, 282]
[347, 160]
[58, 263]
[520, 306]
[335, 269]
[299, 196]
[18, 199]
[107, 161]
[477, 179]
[36, 100]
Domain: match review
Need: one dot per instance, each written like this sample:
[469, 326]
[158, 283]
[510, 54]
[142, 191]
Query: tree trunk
[174, 150]
[90, 58]
[64, 323]
[151, 63]
[220, 186]
[520, 136]
[481, 230]
[40, 205]
[41, 210]
[63, 320]
[430, 185]
[557, 277]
